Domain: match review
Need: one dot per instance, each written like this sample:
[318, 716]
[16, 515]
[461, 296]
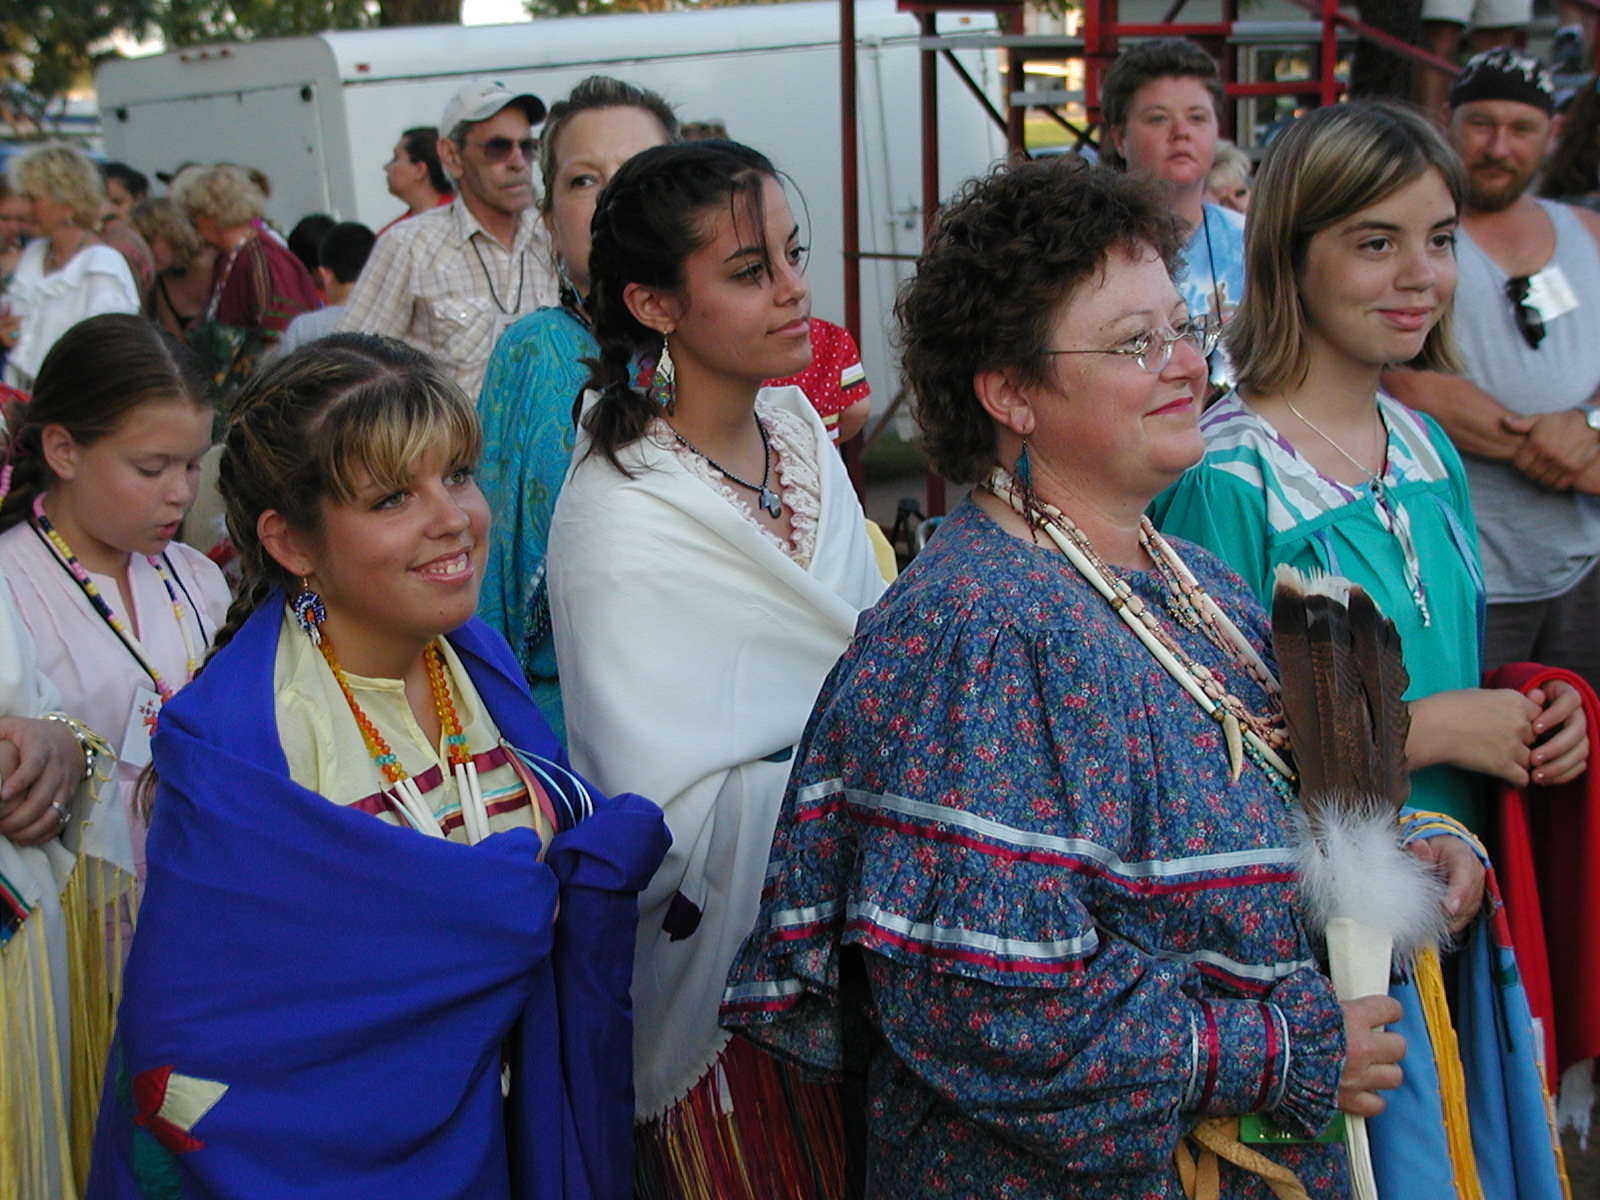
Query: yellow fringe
[30, 1081]
[1452, 1081]
[92, 902]
[34, 1083]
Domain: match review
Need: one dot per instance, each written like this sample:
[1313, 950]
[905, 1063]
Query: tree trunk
[419, 12]
[1377, 72]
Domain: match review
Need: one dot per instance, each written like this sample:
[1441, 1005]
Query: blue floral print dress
[1013, 883]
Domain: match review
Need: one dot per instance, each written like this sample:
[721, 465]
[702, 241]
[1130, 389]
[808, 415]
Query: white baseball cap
[481, 99]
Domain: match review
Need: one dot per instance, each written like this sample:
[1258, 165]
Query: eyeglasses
[1529, 323]
[498, 149]
[1152, 349]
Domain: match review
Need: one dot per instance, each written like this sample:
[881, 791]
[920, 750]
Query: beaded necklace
[401, 787]
[1261, 739]
[102, 607]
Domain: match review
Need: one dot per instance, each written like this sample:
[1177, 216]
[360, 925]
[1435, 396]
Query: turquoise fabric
[535, 374]
[1255, 503]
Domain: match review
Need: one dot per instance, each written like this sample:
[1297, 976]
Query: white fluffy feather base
[1352, 866]
[1368, 897]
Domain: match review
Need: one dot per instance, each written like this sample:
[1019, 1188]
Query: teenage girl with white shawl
[708, 558]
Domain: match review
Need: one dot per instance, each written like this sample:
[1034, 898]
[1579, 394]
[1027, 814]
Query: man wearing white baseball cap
[450, 280]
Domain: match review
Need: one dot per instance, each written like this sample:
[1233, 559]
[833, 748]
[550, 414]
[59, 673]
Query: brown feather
[1384, 679]
[1339, 663]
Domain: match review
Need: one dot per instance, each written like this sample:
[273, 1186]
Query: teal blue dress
[535, 374]
[1255, 502]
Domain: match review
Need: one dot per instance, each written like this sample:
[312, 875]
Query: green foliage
[50, 46]
[579, 8]
[185, 22]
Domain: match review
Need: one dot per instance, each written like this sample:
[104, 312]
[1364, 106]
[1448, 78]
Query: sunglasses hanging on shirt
[1529, 323]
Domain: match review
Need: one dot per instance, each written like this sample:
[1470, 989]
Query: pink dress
[99, 680]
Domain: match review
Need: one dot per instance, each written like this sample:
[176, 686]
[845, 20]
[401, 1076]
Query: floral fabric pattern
[1013, 882]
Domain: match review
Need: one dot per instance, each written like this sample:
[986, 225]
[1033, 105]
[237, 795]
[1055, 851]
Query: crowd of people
[460, 735]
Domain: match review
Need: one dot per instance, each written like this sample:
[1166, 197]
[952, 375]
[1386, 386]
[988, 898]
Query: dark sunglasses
[1529, 323]
[498, 149]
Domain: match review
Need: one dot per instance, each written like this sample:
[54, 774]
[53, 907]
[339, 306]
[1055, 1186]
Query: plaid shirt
[442, 284]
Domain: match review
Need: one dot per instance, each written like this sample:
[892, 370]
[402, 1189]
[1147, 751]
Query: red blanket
[1547, 857]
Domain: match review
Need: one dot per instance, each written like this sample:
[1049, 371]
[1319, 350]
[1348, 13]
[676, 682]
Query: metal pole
[849, 179]
[930, 189]
[1330, 52]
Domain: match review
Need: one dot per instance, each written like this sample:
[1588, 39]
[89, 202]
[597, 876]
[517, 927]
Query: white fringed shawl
[691, 649]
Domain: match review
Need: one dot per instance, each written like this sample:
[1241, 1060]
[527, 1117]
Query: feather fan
[1343, 682]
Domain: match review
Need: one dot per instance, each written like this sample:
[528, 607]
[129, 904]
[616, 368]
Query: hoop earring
[664, 379]
[309, 612]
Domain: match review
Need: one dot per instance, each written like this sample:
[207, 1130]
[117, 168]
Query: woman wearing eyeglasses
[1351, 259]
[1014, 881]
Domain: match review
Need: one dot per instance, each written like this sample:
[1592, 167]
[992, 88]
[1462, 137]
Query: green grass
[891, 457]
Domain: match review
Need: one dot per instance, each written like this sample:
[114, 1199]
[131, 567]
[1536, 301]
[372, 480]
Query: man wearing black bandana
[1525, 418]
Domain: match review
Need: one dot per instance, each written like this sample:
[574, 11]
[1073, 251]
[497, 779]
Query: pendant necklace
[765, 497]
[1393, 518]
[1261, 740]
[1375, 480]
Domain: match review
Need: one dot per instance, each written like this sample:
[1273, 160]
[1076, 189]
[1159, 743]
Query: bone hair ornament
[1343, 681]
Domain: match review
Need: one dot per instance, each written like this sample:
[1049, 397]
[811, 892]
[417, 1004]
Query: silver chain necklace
[1376, 480]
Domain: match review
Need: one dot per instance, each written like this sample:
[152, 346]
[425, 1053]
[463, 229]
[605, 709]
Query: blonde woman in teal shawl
[539, 367]
[1351, 251]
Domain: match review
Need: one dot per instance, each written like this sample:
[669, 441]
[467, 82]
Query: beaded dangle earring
[664, 381]
[1022, 474]
[308, 611]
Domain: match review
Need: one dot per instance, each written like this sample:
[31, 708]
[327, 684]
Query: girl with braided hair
[104, 462]
[411, 973]
[707, 562]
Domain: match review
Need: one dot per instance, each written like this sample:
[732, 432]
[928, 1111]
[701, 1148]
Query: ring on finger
[61, 811]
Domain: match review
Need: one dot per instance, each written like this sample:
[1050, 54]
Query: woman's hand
[1488, 730]
[1372, 1054]
[1463, 874]
[1564, 752]
[41, 765]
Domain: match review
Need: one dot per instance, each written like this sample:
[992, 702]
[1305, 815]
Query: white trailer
[321, 114]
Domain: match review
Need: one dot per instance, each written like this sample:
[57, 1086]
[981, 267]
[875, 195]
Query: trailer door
[283, 138]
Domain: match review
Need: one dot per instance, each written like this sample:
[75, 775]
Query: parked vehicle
[321, 114]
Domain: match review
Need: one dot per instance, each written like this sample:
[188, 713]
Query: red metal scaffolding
[1101, 38]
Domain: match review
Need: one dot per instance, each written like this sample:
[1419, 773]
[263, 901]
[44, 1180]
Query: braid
[246, 600]
[28, 474]
[622, 412]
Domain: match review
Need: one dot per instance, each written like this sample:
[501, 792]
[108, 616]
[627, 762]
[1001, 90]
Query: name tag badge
[141, 725]
[1551, 294]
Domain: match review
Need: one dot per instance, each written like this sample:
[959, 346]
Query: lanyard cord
[522, 263]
